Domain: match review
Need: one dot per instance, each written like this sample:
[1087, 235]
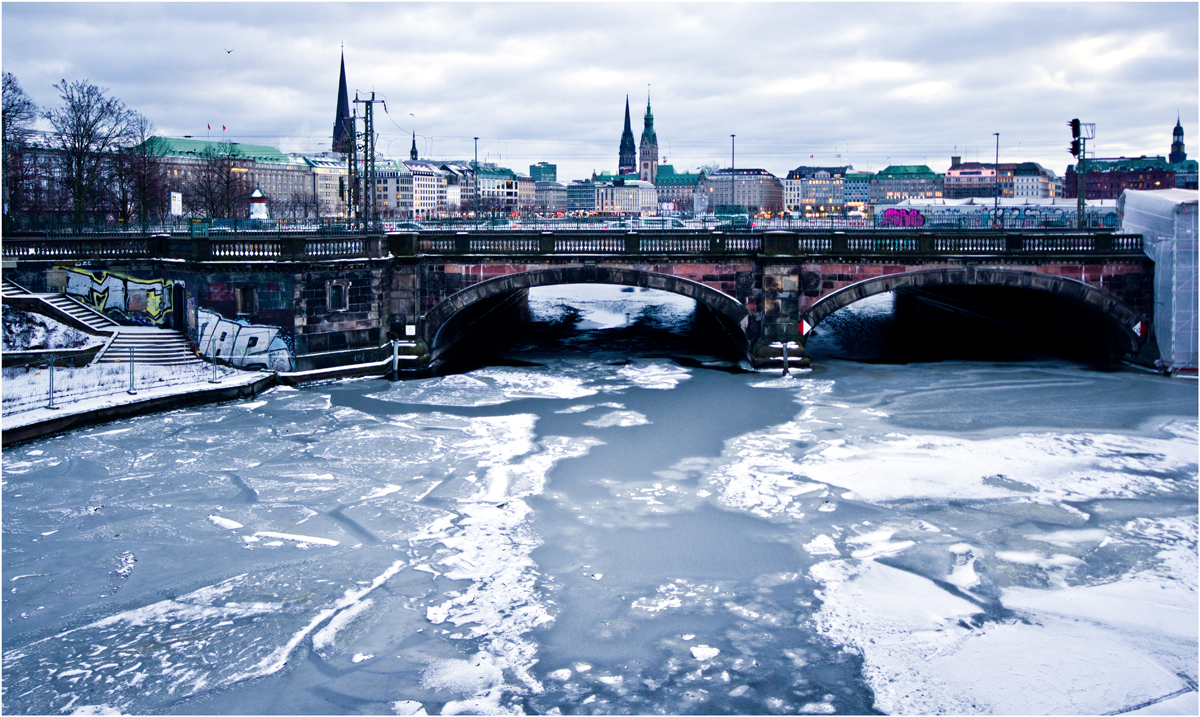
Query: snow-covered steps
[160, 347]
[82, 312]
[10, 288]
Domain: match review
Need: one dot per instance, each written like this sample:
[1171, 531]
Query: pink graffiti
[902, 218]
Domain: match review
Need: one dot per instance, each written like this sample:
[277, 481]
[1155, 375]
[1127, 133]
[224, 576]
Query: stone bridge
[337, 300]
[778, 285]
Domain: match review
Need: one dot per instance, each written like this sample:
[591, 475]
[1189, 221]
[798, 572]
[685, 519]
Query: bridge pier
[762, 355]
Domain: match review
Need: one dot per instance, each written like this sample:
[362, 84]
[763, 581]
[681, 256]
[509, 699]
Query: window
[245, 300]
[336, 298]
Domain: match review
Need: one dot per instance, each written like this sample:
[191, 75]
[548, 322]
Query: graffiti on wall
[136, 300]
[902, 218]
[243, 344]
[976, 216]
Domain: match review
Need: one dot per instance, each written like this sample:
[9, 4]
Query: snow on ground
[94, 393]
[76, 390]
[27, 331]
[28, 389]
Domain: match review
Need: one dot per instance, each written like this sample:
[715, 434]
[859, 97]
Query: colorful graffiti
[902, 218]
[130, 298]
[242, 344]
[978, 216]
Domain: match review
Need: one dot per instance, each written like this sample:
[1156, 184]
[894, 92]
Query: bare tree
[19, 114]
[139, 187]
[87, 130]
[219, 186]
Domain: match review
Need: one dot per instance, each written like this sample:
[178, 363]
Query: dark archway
[1124, 317]
[178, 308]
[733, 313]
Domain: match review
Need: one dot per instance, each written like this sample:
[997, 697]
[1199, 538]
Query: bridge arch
[1122, 314]
[724, 305]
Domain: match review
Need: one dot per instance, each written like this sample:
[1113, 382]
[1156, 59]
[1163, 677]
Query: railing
[335, 248]
[863, 245]
[92, 247]
[316, 247]
[589, 246]
[239, 249]
[950, 219]
[959, 245]
[503, 246]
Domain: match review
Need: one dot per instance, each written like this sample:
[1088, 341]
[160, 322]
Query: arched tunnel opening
[606, 321]
[970, 322]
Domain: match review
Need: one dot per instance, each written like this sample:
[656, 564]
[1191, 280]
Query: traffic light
[1075, 133]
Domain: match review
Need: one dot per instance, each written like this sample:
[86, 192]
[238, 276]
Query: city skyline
[548, 82]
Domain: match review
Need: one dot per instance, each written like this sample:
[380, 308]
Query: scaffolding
[1167, 221]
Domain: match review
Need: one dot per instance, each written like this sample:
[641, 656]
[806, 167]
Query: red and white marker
[804, 328]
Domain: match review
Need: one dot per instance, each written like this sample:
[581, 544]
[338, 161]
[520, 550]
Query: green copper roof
[177, 147]
[608, 177]
[1128, 164]
[907, 171]
[668, 177]
[496, 172]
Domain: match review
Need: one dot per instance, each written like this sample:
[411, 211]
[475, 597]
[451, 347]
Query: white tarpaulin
[1167, 220]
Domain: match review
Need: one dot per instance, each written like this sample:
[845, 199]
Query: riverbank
[39, 422]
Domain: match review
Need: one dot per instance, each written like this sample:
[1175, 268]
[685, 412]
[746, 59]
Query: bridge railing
[311, 247]
[954, 219]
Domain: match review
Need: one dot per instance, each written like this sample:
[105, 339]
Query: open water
[604, 516]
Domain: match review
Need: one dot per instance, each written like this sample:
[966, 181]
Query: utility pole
[352, 191]
[370, 204]
[1081, 132]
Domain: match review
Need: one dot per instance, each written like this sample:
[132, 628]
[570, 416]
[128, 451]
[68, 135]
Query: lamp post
[997, 205]
[476, 180]
[732, 170]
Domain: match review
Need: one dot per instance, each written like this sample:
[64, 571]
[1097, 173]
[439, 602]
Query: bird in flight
[227, 51]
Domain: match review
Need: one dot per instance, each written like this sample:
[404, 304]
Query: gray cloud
[876, 83]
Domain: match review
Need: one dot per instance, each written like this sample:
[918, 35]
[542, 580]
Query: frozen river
[615, 529]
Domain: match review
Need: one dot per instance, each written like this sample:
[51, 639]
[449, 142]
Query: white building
[1032, 180]
[497, 189]
[631, 196]
[393, 190]
[526, 192]
[551, 197]
[815, 190]
[329, 179]
[428, 189]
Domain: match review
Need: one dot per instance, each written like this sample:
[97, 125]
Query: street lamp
[475, 178]
[997, 207]
[732, 170]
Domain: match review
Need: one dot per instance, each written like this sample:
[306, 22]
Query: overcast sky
[799, 84]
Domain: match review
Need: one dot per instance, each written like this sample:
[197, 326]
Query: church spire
[1178, 154]
[627, 162]
[413, 152]
[343, 128]
[648, 150]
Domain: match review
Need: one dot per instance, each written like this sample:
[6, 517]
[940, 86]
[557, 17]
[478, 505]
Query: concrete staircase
[84, 313]
[10, 288]
[152, 346]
